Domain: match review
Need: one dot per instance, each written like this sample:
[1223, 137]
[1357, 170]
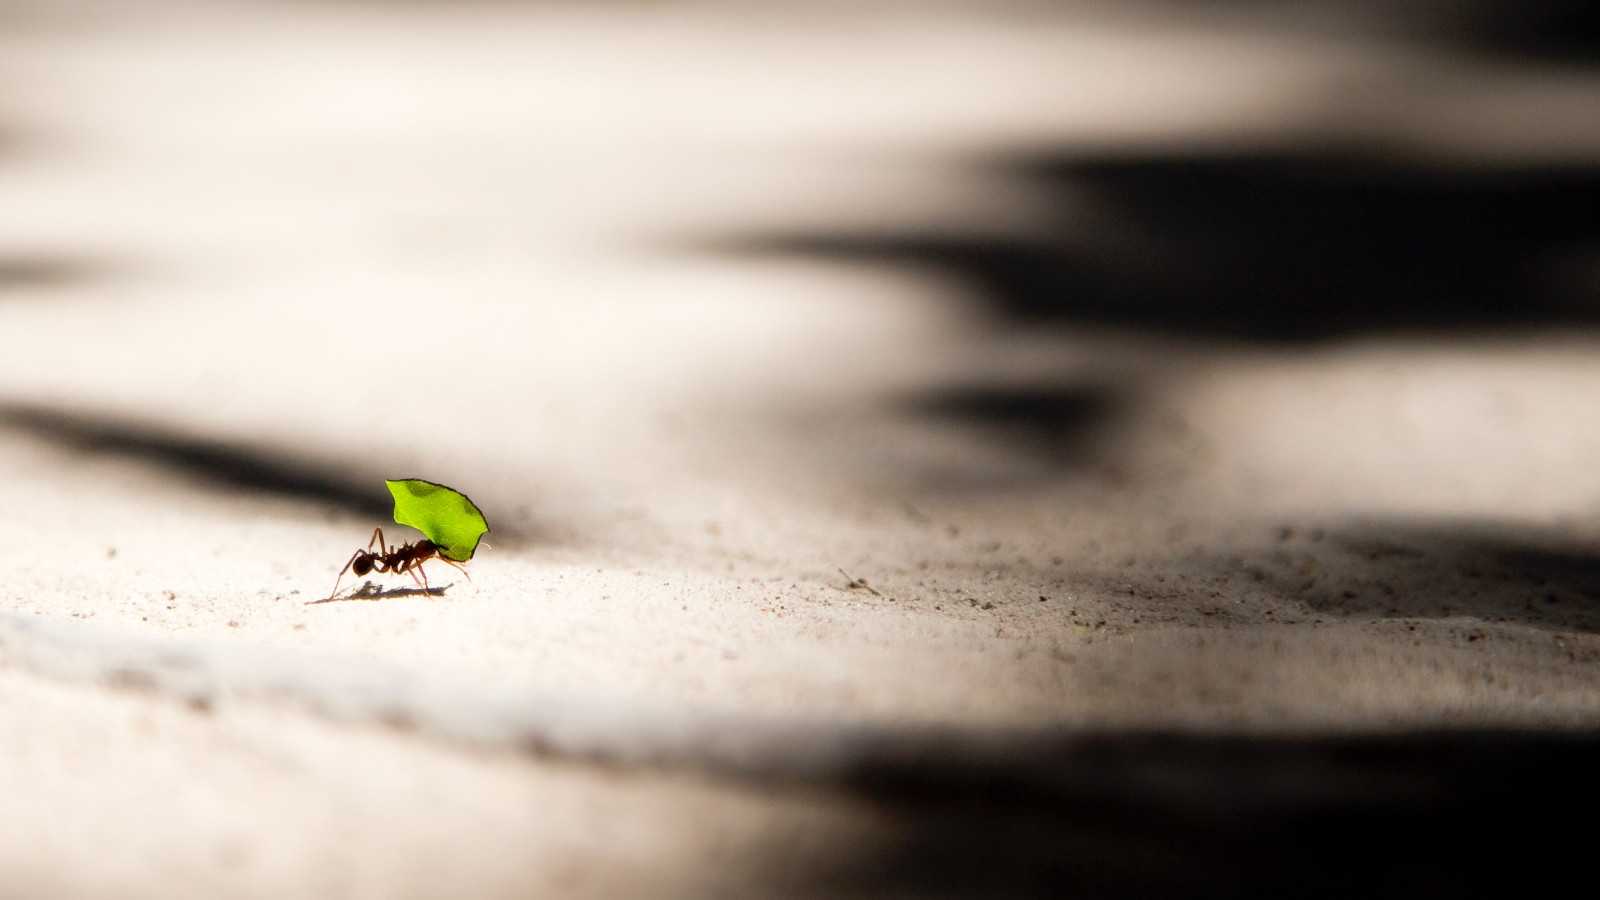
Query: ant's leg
[348, 563]
[377, 538]
[458, 566]
[424, 575]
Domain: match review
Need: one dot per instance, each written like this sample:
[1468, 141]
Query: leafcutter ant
[405, 558]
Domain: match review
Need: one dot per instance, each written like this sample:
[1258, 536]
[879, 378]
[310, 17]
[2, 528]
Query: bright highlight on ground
[446, 516]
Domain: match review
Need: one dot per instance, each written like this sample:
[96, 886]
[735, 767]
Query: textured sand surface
[759, 513]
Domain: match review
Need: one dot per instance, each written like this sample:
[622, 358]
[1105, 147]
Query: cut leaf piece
[445, 515]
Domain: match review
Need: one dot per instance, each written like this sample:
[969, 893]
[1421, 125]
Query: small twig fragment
[858, 584]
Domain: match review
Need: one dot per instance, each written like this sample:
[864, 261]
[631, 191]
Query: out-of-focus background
[932, 449]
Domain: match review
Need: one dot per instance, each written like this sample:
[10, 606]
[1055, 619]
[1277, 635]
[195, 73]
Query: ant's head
[363, 564]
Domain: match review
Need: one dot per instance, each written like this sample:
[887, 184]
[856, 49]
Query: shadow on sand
[225, 464]
[1113, 815]
[1273, 246]
[1495, 573]
[264, 468]
[36, 272]
[1563, 32]
[371, 591]
[1057, 424]
[1498, 574]
[1190, 252]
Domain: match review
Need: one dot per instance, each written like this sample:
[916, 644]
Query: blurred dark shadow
[36, 272]
[1565, 32]
[1525, 576]
[352, 488]
[1562, 31]
[1300, 245]
[1428, 814]
[234, 466]
[1053, 422]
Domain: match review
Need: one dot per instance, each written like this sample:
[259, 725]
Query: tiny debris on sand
[858, 584]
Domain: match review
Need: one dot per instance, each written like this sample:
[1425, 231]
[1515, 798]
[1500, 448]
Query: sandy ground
[763, 522]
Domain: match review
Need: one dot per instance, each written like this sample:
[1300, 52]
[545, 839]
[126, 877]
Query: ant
[406, 558]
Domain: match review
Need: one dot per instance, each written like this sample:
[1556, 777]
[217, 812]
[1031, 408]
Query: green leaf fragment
[445, 515]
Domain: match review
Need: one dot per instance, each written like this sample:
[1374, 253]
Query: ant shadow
[371, 591]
